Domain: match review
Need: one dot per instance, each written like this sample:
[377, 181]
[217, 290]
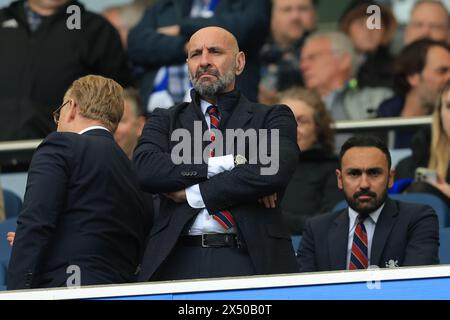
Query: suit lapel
[338, 241]
[383, 228]
[189, 115]
[241, 114]
[190, 118]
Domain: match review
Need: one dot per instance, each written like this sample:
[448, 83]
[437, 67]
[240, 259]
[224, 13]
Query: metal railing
[19, 145]
[13, 153]
[380, 124]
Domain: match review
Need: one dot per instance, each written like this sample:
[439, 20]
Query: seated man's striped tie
[359, 258]
[223, 217]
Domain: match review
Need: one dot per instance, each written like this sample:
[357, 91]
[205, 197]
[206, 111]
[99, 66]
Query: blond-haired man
[84, 219]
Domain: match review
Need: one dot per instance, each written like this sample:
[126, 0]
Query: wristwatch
[239, 159]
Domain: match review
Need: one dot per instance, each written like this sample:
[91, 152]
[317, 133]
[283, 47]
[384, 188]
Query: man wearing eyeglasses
[84, 219]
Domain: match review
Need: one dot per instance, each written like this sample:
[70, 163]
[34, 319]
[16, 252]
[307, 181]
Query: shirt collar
[353, 215]
[204, 105]
[92, 128]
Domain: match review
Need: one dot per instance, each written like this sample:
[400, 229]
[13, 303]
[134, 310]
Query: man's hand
[10, 237]
[269, 201]
[172, 31]
[177, 196]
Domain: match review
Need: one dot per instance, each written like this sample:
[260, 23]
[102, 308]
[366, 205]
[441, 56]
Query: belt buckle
[205, 245]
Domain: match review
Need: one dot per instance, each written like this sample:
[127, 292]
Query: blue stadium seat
[444, 248]
[435, 202]
[296, 242]
[2, 276]
[13, 204]
[400, 186]
[5, 248]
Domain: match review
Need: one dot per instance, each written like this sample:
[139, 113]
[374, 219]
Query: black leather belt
[211, 240]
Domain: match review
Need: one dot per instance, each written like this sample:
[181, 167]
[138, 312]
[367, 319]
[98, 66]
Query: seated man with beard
[374, 230]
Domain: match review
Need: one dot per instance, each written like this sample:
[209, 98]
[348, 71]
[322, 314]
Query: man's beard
[209, 88]
[364, 211]
[428, 103]
[428, 98]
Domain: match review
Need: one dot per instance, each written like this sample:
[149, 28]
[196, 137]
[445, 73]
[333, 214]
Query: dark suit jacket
[406, 233]
[82, 207]
[261, 229]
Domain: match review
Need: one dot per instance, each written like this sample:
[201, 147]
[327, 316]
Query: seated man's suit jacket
[82, 207]
[237, 190]
[405, 235]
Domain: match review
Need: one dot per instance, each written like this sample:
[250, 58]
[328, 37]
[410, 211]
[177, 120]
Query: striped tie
[224, 217]
[214, 120]
[359, 259]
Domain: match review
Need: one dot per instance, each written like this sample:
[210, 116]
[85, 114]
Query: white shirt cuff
[194, 197]
[220, 164]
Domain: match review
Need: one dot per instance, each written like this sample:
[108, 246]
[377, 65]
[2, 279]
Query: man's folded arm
[157, 170]
[249, 182]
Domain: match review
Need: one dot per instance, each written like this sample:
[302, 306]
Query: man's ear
[391, 178]
[240, 62]
[413, 80]
[339, 178]
[140, 124]
[73, 110]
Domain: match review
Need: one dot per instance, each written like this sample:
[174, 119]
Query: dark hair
[365, 141]
[412, 60]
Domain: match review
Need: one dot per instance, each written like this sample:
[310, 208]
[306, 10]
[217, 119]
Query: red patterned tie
[224, 217]
[214, 120]
[359, 258]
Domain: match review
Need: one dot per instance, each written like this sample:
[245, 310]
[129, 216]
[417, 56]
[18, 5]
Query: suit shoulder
[59, 142]
[325, 219]
[414, 209]
[170, 112]
[277, 115]
[57, 147]
[275, 108]
[61, 137]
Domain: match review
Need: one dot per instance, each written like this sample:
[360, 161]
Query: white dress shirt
[370, 223]
[204, 222]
